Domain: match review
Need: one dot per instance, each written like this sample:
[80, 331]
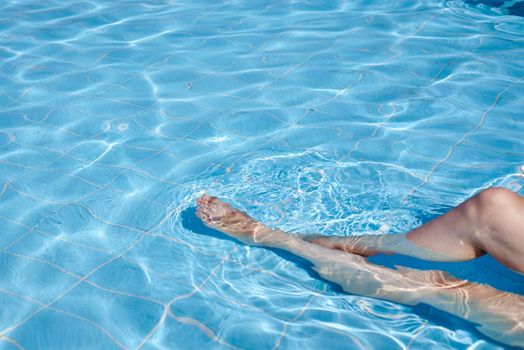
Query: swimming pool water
[338, 117]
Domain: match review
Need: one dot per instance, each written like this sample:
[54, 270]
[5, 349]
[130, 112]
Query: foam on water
[338, 117]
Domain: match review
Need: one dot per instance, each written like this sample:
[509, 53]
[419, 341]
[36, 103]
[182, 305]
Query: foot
[233, 222]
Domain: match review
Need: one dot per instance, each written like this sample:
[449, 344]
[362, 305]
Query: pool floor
[333, 117]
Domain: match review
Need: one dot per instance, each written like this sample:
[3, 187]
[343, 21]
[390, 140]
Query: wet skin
[500, 315]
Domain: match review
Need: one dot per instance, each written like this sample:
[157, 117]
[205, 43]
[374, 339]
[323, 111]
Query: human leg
[490, 222]
[498, 313]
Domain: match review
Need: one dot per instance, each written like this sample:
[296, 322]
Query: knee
[495, 197]
[491, 202]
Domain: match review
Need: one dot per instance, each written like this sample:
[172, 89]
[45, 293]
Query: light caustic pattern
[341, 118]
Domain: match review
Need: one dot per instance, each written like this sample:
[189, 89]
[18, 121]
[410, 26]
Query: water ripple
[334, 117]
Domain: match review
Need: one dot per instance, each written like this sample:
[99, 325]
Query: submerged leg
[490, 222]
[221, 216]
[498, 313]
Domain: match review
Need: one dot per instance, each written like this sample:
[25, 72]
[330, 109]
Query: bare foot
[233, 222]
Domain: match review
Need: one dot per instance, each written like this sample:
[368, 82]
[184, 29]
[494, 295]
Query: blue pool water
[339, 117]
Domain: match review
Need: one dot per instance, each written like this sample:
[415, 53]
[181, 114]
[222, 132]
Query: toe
[205, 199]
[201, 207]
[200, 215]
[205, 217]
[200, 212]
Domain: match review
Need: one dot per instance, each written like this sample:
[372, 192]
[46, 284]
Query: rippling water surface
[338, 117]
